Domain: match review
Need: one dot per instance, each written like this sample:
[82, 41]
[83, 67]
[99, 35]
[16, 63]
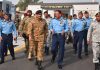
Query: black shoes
[1, 62]
[46, 50]
[80, 57]
[40, 65]
[60, 66]
[97, 66]
[13, 58]
[36, 62]
[53, 59]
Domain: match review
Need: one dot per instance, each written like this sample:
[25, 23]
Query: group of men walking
[42, 34]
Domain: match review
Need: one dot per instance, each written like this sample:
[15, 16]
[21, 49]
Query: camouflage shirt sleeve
[22, 23]
[30, 28]
[90, 30]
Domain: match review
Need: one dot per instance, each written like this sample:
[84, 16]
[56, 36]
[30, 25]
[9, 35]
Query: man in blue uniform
[88, 22]
[6, 29]
[78, 26]
[58, 27]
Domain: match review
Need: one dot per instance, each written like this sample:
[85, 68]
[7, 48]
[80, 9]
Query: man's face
[57, 14]
[29, 13]
[39, 16]
[98, 18]
[75, 17]
[6, 17]
[80, 15]
[86, 15]
[45, 15]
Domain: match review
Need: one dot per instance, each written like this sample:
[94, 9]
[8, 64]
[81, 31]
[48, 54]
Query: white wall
[92, 9]
[34, 8]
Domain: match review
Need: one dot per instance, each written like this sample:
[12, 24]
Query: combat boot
[97, 66]
[40, 65]
[36, 62]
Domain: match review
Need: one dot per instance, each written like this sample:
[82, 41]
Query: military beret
[38, 12]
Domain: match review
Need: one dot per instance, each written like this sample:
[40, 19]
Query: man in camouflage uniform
[93, 38]
[17, 20]
[37, 32]
[24, 28]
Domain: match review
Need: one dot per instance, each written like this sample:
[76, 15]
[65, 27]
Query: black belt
[78, 31]
[57, 33]
[7, 34]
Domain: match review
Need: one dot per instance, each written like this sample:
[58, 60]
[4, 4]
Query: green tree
[22, 4]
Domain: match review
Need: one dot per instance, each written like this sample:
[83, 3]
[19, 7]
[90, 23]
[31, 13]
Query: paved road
[71, 62]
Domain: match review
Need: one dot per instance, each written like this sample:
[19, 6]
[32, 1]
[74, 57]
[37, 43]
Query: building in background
[67, 8]
[7, 7]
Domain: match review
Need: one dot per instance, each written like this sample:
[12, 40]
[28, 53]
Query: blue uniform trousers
[78, 40]
[58, 43]
[7, 40]
[85, 42]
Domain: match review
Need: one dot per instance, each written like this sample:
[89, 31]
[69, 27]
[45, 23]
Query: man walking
[58, 27]
[93, 38]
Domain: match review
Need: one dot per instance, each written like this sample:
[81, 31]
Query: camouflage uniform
[17, 22]
[94, 36]
[37, 30]
[24, 30]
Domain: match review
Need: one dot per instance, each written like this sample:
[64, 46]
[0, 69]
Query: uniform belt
[78, 31]
[6, 34]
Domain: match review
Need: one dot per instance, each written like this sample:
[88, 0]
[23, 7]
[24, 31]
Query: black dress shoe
[97, 66]
[36, 62]
[60, 66]
[53, 59]
[80, 57]
[1, 62]
[13, 58]
[86, 54]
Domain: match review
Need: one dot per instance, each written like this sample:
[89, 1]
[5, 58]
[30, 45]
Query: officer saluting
[6, 29]
[93, 38]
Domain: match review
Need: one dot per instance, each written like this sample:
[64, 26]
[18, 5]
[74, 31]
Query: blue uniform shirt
[58, 25]
[78, 25]
[8, 27]
[88, 22]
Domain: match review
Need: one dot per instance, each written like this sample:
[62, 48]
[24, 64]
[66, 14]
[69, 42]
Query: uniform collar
[87, 18]
[7, 20]
[81, 19]
[59, 19]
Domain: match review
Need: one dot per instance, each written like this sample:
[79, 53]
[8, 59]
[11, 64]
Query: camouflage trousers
[96, 52]
[37, 47]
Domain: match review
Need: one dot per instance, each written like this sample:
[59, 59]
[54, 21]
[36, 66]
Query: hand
[30, 38]
[15, 38]
[0, 39]
[89, 42]
[63, 32]
[20, 34]
[52, 32]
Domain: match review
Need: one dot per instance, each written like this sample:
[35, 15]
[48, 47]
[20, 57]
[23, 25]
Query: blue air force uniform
[58, 40]
[78, 27]
[88, 22]
[7, 31]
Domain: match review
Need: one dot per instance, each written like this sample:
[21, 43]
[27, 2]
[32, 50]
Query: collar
[61, 18]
